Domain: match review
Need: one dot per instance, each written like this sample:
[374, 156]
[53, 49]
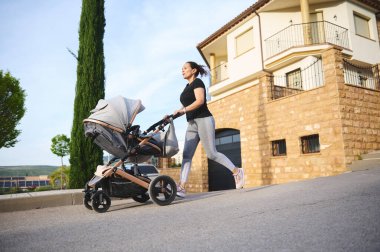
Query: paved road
[340, 213]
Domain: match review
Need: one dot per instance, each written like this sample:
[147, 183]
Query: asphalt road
[340, 213]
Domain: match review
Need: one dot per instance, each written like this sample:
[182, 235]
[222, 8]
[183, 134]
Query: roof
[233, 22]
[253, 8]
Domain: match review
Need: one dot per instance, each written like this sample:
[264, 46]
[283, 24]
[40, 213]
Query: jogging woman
[201, 126]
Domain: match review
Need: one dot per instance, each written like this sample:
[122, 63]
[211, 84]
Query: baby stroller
[110, 127]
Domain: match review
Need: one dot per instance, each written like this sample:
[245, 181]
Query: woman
[201, 126]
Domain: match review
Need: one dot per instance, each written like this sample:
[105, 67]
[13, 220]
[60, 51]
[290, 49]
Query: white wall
[249, 62]
[311, 78]
[363, 49]
[273, 22]
[367, 50]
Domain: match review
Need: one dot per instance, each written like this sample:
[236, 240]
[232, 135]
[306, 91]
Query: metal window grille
[310, 144]
[294, 79]
[361, 76]
[298, 80]
[279, 147]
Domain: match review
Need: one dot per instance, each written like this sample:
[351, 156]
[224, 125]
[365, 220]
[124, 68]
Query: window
[361, 25]
[244, 42]
[227, 139]
[294, 79]
[310, 144]
[279, 147]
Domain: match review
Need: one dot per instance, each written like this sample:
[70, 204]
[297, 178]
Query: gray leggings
[202, 129]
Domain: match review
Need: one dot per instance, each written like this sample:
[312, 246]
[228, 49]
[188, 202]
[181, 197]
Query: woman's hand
[179, 111]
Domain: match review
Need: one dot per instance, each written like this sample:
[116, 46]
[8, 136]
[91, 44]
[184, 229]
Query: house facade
[295, 91]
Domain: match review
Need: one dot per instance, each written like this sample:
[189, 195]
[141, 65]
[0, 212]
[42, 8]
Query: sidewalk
[36, 200]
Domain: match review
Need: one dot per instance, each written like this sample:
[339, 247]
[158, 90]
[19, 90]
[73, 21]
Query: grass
[27, 170]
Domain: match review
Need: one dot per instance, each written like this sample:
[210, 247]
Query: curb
[37, 200]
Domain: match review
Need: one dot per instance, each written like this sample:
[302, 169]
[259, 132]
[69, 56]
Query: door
[317, 28]
[227, 143]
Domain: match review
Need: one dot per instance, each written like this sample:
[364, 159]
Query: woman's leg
[191, 143]
[206, 131]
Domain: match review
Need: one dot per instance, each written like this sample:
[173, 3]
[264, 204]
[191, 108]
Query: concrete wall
[249, 62]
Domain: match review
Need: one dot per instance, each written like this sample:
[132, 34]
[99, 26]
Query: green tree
[85, 155]
[62, 174]
[60, 146]
[12, 99]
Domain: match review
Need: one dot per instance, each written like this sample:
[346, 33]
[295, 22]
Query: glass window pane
[361, 26]
[236, 138]
[226, 140]
[279, 147]
[294, 79]
[310, 144]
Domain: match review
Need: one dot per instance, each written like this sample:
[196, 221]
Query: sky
[146, 42]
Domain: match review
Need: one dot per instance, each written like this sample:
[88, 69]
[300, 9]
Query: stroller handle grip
[162, 123]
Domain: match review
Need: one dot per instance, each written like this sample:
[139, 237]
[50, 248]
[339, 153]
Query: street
[340, 213]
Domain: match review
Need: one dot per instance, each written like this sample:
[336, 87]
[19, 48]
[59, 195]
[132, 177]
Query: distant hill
[27, 170]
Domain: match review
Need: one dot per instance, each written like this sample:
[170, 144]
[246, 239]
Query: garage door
[228, 143]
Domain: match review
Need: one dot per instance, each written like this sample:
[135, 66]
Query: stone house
[295, 91]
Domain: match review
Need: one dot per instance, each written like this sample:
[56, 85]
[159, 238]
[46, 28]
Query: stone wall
[346, 118]
[360, 111]
[262, 120]
[198, 177]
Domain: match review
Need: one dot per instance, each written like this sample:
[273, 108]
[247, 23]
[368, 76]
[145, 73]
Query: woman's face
[187, 71]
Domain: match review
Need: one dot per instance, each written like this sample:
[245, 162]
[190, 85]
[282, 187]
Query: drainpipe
[377, 15]
[261, 42]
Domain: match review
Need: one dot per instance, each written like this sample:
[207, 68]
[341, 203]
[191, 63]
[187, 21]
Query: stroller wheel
[141, 198]
[87, 200]
[162, 190]
[101, 202]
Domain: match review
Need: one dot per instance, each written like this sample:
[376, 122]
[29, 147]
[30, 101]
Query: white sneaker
[239, 178]
[181, 192]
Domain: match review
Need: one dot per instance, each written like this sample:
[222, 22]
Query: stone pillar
[376, 75]
[266, 81]
[212, 68]
[332, 61]
[305, 12]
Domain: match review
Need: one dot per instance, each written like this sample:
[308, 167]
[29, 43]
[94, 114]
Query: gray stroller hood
[118, 111]
[109, 127]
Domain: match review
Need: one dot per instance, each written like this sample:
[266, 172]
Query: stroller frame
[162, 189]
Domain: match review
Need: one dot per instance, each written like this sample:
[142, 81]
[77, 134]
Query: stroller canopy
[117, 111]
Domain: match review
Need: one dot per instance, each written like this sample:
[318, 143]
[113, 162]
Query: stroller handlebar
[162, 123]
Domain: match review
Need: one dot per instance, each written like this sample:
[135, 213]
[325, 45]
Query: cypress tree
[85, 155]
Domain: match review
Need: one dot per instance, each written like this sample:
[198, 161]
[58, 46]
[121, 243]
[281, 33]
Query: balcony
[297, 81]
[306, 34]
[219, 73]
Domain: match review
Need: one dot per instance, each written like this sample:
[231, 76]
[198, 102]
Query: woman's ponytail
[201, 69]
